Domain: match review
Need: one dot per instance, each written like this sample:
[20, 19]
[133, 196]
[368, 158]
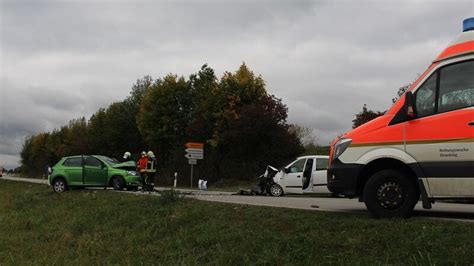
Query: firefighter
[150, 170]
[142, 164]
[127, 156]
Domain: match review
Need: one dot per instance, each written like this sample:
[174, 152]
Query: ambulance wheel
[117, 183]
[276, 190]
[390, 194]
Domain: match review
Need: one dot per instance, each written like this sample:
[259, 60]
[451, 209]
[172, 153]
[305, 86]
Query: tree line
[242, 126]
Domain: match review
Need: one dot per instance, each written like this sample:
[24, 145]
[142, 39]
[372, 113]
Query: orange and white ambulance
[423, 146]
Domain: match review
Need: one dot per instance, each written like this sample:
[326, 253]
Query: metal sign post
[191, 175]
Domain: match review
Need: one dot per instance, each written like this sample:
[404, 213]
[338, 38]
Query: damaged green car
[93, 171]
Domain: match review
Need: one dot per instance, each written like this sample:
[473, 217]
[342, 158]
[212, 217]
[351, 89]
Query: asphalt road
[440, 210]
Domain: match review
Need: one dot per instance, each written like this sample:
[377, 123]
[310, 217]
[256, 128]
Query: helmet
[143, 153]
[127, 155]
[150, 154]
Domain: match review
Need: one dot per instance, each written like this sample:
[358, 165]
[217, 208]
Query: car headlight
[132, 173]
[340, 146]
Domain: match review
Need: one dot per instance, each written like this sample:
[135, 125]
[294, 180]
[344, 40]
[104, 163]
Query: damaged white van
[305, 175]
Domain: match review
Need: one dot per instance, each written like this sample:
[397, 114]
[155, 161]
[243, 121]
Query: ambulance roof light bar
[468, 24]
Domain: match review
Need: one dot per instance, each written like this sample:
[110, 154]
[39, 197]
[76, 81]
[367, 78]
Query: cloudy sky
[61, 60]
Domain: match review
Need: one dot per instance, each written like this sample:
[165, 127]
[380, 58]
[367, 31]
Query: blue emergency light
[468, 24]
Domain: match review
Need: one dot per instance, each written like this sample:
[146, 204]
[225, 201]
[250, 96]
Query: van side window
[297, 167]
[425, 97]
[456, 87]
[73, 162]
[322, 164]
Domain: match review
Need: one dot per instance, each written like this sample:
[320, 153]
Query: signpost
[194, 152]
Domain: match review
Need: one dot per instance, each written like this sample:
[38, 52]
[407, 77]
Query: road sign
[194, 156]
[194, 145]
[194, 151]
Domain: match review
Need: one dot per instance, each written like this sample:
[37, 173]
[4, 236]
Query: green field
[103, 227]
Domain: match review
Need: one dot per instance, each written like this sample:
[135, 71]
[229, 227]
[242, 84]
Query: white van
[307, 174]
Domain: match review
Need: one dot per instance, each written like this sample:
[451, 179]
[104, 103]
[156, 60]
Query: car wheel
[276, 190]
[117, 183]
[59, 185]
[390, 194]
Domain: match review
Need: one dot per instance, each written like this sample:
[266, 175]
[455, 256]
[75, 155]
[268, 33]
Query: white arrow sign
[190, 150]
[196, 153]
[194, 156]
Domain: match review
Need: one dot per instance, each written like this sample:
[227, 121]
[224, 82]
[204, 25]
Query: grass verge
[38, 226]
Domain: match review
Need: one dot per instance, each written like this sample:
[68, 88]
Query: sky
[61, 60]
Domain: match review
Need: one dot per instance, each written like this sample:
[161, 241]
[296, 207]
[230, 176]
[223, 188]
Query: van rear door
[320, 176]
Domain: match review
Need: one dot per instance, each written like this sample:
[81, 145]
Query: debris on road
[264, 183]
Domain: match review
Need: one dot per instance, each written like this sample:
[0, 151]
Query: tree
[403, 89]
[139, 90]
[234, 91]
[365, 116]
[75, 139]
[259, 136]
[165, 114]
[204, 107]
[242, 126]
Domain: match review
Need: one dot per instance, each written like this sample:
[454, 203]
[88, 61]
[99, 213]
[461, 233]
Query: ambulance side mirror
[409, 106]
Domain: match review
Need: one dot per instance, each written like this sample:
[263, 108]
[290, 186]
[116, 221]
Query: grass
[85, 227]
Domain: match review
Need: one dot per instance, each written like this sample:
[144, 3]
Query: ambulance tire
[390, 194]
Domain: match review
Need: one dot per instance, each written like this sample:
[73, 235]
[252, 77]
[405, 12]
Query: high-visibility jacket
[151, 165]
[142, 164]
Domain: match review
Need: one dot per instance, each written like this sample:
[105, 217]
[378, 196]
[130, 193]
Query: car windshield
[109, 160]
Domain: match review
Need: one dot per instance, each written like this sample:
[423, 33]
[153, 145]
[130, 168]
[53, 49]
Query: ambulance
[423, 146]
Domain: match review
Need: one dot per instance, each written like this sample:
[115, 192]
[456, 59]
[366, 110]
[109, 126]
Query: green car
[93, 171]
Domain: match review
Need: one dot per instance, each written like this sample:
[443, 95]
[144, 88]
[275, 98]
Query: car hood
[130, 165]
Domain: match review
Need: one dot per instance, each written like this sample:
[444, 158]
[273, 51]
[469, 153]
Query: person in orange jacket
[141, 164]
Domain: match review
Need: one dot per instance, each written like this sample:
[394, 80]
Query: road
[440, 210]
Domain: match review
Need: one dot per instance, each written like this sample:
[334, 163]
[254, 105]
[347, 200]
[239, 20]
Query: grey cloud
[64, 59]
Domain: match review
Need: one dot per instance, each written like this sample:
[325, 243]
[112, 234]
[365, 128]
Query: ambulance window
[425, 97]
[456, 87]
[322, 164]
[297, 167]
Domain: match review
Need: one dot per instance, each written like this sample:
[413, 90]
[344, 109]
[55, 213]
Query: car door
[293, 176]
[307, 180]
[441, 136]
[320, 176]
[95, 172]
[73, 170]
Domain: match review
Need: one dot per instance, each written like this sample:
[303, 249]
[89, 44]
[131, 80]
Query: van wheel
[390, 194]
[59, 185]
[117, 183]
[276, 190]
